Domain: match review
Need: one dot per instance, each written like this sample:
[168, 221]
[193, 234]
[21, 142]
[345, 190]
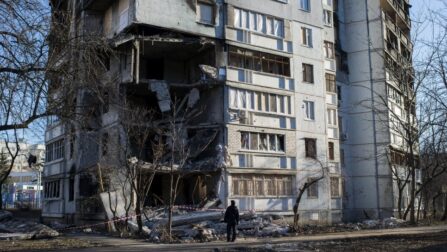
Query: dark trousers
[231, 227]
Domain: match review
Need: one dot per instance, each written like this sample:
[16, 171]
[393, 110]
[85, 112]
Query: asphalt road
[115, 244]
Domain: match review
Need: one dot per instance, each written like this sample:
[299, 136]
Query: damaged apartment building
[255, 79]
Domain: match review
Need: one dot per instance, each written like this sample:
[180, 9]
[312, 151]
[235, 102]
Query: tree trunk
[171, 183]
[138, 212]
[1, 196]
[413, 194]
[444, 217]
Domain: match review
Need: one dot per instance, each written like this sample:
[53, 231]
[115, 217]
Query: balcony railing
[400, 12]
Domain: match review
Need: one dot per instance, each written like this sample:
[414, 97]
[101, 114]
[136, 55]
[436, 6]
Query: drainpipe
[376, 164]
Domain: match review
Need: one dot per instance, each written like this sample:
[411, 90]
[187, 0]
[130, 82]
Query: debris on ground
[15, 229]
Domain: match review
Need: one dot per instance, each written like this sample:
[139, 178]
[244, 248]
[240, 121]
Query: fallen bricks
[15, 229]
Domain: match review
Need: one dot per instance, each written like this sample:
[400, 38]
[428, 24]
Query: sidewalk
[111, 243]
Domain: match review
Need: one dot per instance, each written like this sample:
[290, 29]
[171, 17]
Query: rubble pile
[208, 225]
[16, 229]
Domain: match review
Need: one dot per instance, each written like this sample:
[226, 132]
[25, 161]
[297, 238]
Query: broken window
[272, 142]
[331, 150]
[312, 190]
[330, 83]
[52, 189]
[54, 150]
[309, 107]
[205, 13]
[258, 61]
[327, 17]
[244, 99]
[258, 22]
[306, 36]
[329, 50]
[308, 73]
[332, 117]
[273, 103]
[244, 140]
[310, 147]
[335, 187]
[262, 142]
[87, 186]
[254, 141]
[262, 185]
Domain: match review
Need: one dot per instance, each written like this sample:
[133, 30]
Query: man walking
[232, 219]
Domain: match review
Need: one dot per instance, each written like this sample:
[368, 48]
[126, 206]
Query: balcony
[259, 78]
[399, 10]
[402, 36]
[258, 39]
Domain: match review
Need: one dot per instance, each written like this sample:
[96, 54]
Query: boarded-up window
[335, 187]
[310, 147]
[312, 190]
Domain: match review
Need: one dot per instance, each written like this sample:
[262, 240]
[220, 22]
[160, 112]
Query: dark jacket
[232, 215]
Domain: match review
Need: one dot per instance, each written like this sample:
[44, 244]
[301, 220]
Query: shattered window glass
[263, 142]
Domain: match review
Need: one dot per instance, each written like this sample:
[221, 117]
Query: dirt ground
[436, 242]
[430, 242]
[57, 244]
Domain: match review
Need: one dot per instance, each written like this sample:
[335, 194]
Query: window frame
[308, 72]
[309, 110]
[310, 151]
[199, 16]
[306, 37]
[305, 5]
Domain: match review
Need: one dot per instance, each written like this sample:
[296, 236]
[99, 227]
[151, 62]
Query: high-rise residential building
[268, 77]
[375, 92]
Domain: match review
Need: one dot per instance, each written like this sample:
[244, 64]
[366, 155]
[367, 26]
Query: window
[205, 13]
[257, 22]
[330, 83]
[51, 189]
[329, 50]
[262, 142]
[306, 36]
[308, 73]
[331, 151]
[262, 185]
[258, 101]
[310, 147]
[305, 5]
[327, 17]
[332, 117]
[54, 150]
[312, 190]
[309, 107]
[258, 61]
[335, 187]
